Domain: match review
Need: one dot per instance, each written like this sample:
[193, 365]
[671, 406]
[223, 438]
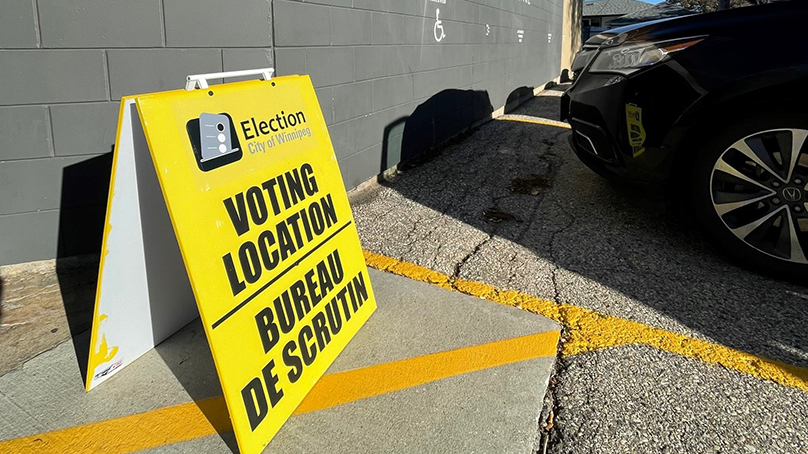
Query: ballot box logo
[213, 140]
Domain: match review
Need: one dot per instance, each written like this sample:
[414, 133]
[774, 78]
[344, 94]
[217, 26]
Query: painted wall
[394, 77]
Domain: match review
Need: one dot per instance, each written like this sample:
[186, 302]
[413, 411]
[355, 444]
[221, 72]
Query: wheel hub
[759, 191]
[792, 194]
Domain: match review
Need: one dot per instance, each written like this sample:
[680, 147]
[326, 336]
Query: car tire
[750, 192]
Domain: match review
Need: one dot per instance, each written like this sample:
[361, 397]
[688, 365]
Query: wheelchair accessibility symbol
[438, 28]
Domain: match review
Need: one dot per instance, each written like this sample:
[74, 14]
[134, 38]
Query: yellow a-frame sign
[262, 224]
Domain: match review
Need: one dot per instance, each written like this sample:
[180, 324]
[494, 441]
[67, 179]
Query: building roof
[656, 12]
[612, 7]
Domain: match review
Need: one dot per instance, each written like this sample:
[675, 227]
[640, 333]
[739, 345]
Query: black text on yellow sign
[313, 214]
[267, 238]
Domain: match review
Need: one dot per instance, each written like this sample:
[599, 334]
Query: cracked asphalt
[510, 205]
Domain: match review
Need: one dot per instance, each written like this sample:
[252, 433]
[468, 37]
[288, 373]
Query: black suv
[715, 108]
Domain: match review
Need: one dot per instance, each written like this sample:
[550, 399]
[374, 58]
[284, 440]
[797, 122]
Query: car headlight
[628, 58]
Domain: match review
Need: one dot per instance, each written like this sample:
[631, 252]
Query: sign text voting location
[262, 220]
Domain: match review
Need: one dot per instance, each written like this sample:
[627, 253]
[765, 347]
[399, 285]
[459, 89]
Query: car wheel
[750, 191]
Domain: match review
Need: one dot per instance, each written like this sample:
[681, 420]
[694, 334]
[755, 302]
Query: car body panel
[748, 56]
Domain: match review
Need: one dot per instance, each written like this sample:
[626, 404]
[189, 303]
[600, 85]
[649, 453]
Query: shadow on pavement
[537, 220]
[82, 211]
[188, 356]
[433, 122]
[517, 97]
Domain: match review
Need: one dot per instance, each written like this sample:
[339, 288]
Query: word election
[296, 191]
[280, 122]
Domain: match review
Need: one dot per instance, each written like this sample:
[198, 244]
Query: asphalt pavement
[510, 205]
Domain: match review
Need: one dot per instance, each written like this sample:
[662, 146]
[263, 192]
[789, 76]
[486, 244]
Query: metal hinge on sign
[201, 80]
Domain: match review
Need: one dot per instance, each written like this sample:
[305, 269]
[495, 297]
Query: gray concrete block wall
[387, 88]
[100, 23]
[64, 65]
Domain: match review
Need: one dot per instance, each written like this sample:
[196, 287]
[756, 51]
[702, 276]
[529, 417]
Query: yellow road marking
[343, 387]
[537, 121]
[199, 419]
[588, 330]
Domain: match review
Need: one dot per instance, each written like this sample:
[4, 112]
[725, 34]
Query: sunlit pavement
[511, 207]
[432, 371]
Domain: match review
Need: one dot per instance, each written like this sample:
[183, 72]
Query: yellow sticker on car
[636, 131]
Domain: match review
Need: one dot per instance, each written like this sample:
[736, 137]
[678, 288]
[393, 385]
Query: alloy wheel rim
[759, 190]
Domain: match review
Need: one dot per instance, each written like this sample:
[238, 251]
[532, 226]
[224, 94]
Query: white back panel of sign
[143, 291]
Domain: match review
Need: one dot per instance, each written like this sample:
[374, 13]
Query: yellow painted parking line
[534, 120]
[130, 433]
[588, 330]
[199, 419]
[343, 387]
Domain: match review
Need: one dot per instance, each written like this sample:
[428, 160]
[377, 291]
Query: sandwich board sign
[231, 196]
